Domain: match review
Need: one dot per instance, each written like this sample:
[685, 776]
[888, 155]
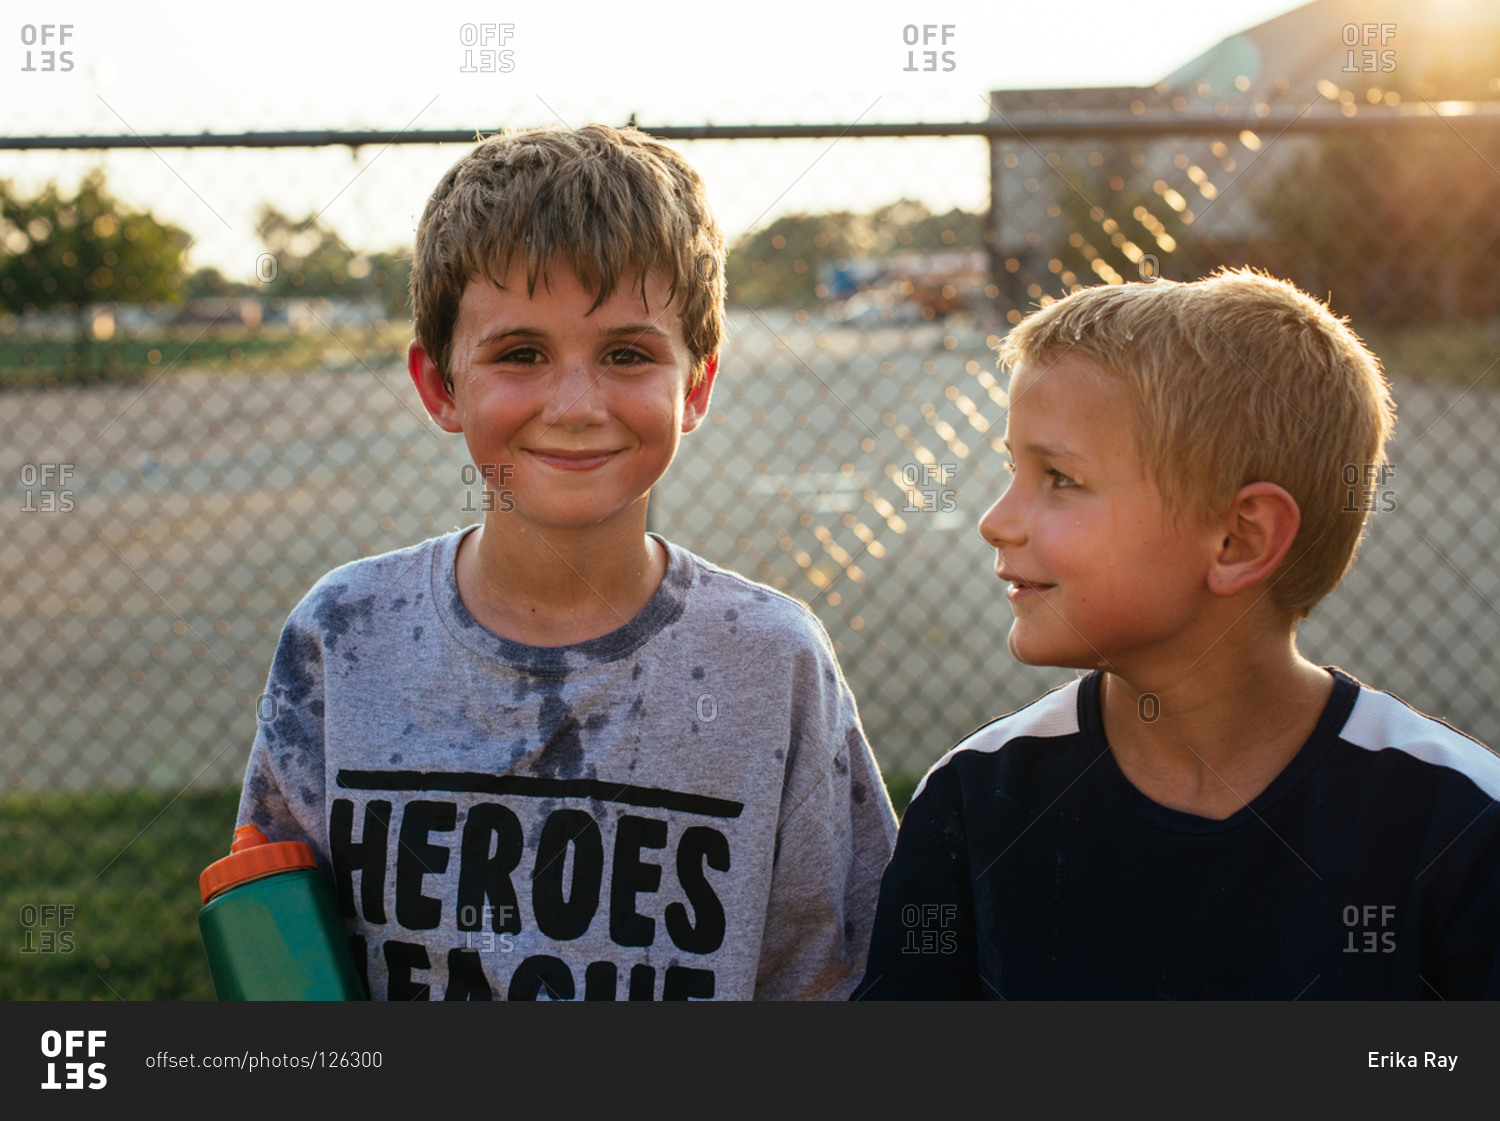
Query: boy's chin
[1029, 652]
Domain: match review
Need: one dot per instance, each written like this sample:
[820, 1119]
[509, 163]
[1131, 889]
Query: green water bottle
[271, 925]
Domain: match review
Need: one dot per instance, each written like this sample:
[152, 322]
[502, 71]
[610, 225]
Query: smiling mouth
[1018, 587]
[572, 460]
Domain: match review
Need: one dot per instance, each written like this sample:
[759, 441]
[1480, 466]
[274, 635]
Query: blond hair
[1238, 378]
[609, 202]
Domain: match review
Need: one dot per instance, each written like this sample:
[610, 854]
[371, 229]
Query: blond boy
[1204, 813]
[555, 756]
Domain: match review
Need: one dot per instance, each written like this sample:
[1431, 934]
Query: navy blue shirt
[1028, 867]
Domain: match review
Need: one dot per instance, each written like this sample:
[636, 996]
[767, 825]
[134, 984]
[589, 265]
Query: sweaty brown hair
[609, 202]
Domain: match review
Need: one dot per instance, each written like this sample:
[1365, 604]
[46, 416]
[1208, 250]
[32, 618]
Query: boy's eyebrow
[635, 330]
[1045, 451]
[632, 330]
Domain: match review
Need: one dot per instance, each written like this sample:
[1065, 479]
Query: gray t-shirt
[683, 808]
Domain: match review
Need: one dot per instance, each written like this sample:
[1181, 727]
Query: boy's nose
[1000, 525]
[574, 398]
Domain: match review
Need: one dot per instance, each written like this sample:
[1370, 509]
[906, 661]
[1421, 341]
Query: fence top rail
[1020, 125]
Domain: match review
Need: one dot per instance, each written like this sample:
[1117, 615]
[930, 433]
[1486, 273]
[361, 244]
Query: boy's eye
[520, 356]
[1059, 480]
[625, 356]
[530, 356]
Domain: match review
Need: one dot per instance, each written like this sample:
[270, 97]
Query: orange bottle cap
[251, 857]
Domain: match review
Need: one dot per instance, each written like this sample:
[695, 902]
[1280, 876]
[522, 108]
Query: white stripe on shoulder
[1380, 721]
[1051, 714]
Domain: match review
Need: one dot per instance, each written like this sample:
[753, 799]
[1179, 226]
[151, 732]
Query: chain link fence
[182, 456]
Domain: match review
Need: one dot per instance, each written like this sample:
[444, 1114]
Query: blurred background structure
[186, 446]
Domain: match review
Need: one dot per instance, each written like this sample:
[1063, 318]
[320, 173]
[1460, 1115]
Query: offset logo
[44, 928]
[930, 928]
[936, 495]
[66, 1045]
[1371, 61]
[49, 36]
[490, 39]
[1365, 936]
[926, 35]
[45, 488]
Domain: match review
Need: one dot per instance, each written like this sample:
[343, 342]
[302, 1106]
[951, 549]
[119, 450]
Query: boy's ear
[695, 408]
[429, 382]
[1261, 525]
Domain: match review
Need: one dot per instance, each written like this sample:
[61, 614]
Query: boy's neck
[557, 588]
[1210, 739]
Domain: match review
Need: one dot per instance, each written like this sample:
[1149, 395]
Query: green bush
[127, 862]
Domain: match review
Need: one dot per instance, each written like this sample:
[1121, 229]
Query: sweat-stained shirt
[683, 808]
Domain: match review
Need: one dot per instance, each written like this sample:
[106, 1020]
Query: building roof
[1283, 60]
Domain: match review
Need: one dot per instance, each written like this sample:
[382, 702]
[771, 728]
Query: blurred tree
[74, 251]
[1396, 228]
[1400, 227]
[209, 282]
[780, 263]
[312, 260]
[390, 272]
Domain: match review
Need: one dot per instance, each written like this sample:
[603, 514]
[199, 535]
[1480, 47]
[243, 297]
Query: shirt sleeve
[284, 779]
[924, 945]
[835, 832]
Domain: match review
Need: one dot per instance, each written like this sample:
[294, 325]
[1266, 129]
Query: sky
[274, 65]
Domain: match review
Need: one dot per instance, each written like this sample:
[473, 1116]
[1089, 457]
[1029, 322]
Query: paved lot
[139, 624]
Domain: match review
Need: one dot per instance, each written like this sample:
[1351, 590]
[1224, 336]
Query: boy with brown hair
[1204, 813]
[554, 755]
